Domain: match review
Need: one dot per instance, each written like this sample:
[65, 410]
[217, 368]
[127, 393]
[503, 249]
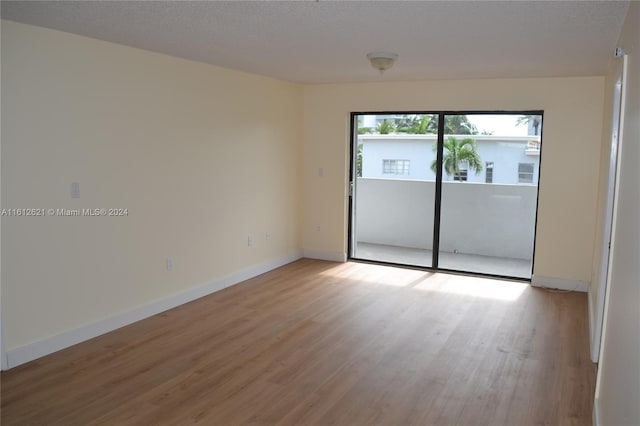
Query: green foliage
[459, 125]
[422, 124]
[386, 127]
[454, 125]
[359, 161]
[535, 121]
[456, 153]
[414, 124]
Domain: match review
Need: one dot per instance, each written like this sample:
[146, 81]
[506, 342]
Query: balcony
[532, 148]
[485, 228]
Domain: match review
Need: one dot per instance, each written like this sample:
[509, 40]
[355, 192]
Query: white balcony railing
[477, 218]
[532, 148]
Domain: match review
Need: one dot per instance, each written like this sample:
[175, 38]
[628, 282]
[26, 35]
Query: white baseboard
[595, 417]
[559, 283]
[31, 351]
[4, 362]
[332, 256]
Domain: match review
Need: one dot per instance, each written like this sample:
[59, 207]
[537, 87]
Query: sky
[499, 125]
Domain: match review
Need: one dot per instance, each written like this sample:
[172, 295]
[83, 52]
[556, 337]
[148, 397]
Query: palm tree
[361, 129]
[421, 126]
[455, 124]
[535, 121]
[414, 124]
[386, 127]
[460, 152]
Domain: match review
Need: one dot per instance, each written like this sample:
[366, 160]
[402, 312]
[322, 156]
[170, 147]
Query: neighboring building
[505, 159]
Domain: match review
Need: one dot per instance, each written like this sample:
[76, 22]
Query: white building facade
[505, 159]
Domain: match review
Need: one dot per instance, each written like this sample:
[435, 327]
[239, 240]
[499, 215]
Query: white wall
[417, 149]
[570, 158]
[490, 220]
[618, 384]
[201, 156]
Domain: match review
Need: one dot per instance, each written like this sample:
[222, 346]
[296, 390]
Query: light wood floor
[323, 343]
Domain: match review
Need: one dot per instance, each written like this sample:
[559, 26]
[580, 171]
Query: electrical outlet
[267, 236]
[169, 264]
[249, 241]
[318, 228]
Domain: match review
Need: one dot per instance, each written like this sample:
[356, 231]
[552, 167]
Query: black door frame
[435, 249]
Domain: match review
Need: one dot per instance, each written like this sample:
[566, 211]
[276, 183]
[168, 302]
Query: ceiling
[327, 41]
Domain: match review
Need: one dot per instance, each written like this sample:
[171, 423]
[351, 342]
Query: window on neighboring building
[462, 176]
[525, 172]
[395, 167]
[463, 169]
[489, 172]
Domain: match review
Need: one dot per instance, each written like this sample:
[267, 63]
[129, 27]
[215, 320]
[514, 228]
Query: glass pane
[489, 193]
[394, 188]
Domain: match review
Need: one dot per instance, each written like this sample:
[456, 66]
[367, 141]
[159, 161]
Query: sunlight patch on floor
[475, 287]
[429, 281]
[385, 275]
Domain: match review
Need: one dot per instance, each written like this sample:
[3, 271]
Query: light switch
[75, 190]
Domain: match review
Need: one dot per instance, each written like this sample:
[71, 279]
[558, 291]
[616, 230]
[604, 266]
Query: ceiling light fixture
[382, 61]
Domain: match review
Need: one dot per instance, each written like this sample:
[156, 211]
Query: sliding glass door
[461, 199]
[394, 188]
[489, 193]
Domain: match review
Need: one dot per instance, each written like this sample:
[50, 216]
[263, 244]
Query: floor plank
[323, 343]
